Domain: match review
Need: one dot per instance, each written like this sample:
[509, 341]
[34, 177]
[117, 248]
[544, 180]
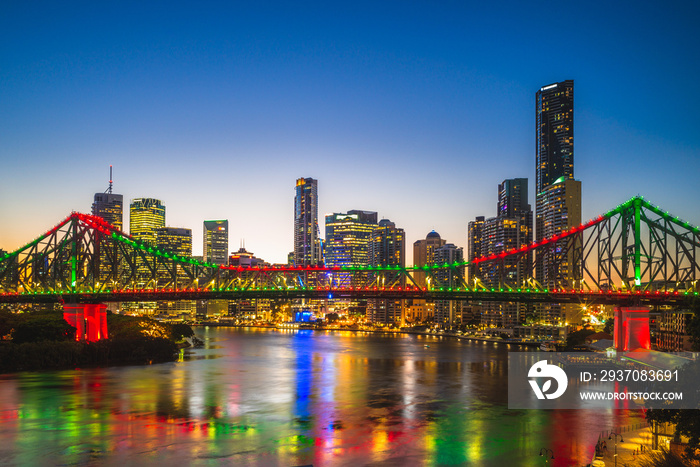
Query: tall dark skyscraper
[554, 133]
[307, 244]
[558, 195]
[109, 206]
[475, 237]
[513, 199]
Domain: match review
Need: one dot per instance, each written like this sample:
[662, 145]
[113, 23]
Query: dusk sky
[416, 110]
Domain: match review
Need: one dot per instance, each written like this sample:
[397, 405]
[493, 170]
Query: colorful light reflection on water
[269, 397]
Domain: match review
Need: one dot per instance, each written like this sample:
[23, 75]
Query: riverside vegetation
[43, 340]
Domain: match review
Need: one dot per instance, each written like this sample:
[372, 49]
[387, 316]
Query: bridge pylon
[632, 329]
[89, 320]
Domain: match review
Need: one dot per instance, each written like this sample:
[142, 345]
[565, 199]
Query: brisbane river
[269, 397]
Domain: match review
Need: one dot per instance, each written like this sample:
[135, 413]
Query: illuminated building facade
[388, 248]
[215, 239]
[513, 204]
[554, 133]
[249, 307]
[245, 259]
[423, 254]
[307, 243]
[146, 215]
[558, 195]
[348, 238]
[511, 228]
[447, 310]
[558, 209]
[475, 233]
[674, 331]
[176, 241]
[215, 251]
[110, 207]
[500, 234]
[420, 311]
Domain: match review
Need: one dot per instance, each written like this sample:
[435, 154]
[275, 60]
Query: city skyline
[417, 127]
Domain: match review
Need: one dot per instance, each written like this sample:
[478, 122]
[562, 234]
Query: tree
[331, 317]
[609, 326]
[686, 421]
[281, 309]
[180, 331]
[8, 321]
[577, 338]
[43, 328]
[129, 327]
[694, 328]
[661, 459]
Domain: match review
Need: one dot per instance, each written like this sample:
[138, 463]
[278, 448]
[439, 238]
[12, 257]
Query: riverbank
[635, 445]
[495, 340]
[53, 355]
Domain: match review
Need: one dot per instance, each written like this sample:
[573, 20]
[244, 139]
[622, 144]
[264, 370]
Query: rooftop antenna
[109, 190]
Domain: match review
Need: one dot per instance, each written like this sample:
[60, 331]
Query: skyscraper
[511, 228]
[513, 203]
[423, 254]
[174, 240]
[447, 310]
[348, 238]
[558, 195]
[475, 234]
[559, 209]
[177, 241]
[109, 206]
[146, 215]
[215, 240]
[307, 244]
[388, 248]
[554, 133]
[501, 234]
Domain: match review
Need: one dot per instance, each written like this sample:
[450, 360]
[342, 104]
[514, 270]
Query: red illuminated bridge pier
[633, 255]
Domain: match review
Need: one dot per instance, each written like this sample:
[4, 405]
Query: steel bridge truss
[634, 249]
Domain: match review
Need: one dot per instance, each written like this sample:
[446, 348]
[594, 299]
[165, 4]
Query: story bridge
[635, 254]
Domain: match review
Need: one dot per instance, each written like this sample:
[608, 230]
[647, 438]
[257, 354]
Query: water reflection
[266, 397]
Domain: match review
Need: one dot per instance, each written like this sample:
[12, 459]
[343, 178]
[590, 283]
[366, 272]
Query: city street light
[544, 452]
[621, 440]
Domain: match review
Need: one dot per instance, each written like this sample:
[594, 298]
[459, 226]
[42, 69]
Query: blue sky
[416, 110]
